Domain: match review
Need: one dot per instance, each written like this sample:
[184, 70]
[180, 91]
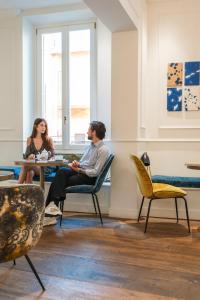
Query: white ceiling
[112, 14]
[29, 4]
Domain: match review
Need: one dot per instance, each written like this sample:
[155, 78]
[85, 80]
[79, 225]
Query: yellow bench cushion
[162, 190]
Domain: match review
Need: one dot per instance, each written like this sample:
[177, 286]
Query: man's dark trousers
[64, 178]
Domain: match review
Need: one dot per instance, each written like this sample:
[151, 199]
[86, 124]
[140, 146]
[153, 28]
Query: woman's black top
[31, 149]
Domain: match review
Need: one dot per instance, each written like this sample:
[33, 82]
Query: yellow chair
[155, 191]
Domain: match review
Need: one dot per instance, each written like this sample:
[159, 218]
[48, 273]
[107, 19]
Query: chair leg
[147, 218]
[61, 208]
[94, 204]
[34, 271]
[176, 205]
[187, 214]
[98, 207]
[140, 209]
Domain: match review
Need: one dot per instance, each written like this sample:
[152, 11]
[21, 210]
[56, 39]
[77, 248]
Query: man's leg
[60, 182]
[76, 179]
[79, 179]
[71, 179]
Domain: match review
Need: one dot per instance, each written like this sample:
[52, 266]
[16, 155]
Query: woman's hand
[31, 156]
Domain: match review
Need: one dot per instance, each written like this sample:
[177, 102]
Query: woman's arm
[28, 154]
[51, 146]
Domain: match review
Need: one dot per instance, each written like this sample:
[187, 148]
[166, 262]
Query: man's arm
[103, 154]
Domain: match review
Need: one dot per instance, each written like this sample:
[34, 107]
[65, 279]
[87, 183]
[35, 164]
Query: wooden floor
[83, 260]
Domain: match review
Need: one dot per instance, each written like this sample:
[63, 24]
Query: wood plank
[83, 260]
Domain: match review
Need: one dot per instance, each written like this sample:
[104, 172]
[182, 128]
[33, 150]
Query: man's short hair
[100, 129]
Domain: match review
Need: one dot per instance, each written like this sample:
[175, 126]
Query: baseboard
[119, 212]
[194, 214]
[83, 207]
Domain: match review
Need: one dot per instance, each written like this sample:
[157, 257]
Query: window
[66, 82]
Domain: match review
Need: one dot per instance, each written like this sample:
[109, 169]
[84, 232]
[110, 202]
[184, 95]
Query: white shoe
[49, 221]
[53, 210]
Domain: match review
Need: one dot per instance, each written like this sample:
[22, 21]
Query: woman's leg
[30, 174]
[22, 175]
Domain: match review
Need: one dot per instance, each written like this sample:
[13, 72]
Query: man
[83, 172]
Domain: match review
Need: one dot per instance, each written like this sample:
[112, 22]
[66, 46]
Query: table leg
[42, 177]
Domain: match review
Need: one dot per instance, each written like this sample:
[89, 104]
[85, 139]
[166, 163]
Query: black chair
[90, 189]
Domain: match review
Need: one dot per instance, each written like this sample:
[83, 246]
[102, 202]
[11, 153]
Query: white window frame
[65, 71]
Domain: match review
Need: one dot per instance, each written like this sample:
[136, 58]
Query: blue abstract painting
[192, 73]
[174, 99]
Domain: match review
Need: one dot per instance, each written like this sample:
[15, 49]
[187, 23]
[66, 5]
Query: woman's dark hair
[100, 129]
[44, 135]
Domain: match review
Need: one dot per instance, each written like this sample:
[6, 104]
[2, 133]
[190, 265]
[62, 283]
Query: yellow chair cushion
[162, 190]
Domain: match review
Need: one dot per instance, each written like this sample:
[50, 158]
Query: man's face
[90, 133]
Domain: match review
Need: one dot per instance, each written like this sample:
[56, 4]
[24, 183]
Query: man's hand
[75, 163]
[74, 168]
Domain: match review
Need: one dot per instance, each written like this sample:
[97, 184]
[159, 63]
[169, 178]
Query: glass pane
[79, 85]
[52, 83]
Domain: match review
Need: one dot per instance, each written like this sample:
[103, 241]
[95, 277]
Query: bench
[179, 181]
[16, 170]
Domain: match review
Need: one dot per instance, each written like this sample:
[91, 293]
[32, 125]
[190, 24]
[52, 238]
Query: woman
[36, 143]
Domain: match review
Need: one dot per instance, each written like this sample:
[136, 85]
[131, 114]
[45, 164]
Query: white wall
[11, 87]
[172, 38]
[136, 10]
[18, 93]
[172, 138]
[104, 76]
[124, 122]
[28, 77]
[139, 117]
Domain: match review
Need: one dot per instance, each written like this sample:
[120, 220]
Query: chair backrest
[143, 178]
[102, 175]
[21, 219]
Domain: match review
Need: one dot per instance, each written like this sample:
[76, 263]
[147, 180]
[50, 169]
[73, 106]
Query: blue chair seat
[80, 189]
[48, 177]
[50, 172]
[179, 181]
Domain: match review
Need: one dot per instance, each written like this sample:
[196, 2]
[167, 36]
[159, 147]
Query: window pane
[79, 84]
[52, 83]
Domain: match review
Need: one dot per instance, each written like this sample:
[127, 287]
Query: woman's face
[41, 127]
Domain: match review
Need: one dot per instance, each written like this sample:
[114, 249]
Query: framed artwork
[183, 86]
[191, 96]
[192, 75]
[175, 74]
[174, 99]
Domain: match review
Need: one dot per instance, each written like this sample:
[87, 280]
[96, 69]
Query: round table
[5, 175]
[42, 165]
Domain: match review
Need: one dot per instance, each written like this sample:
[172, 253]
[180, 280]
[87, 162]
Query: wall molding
[6, 129]
[171, 213]
[115, 141]
[154, 140]
[179, 127]
[12, 141]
